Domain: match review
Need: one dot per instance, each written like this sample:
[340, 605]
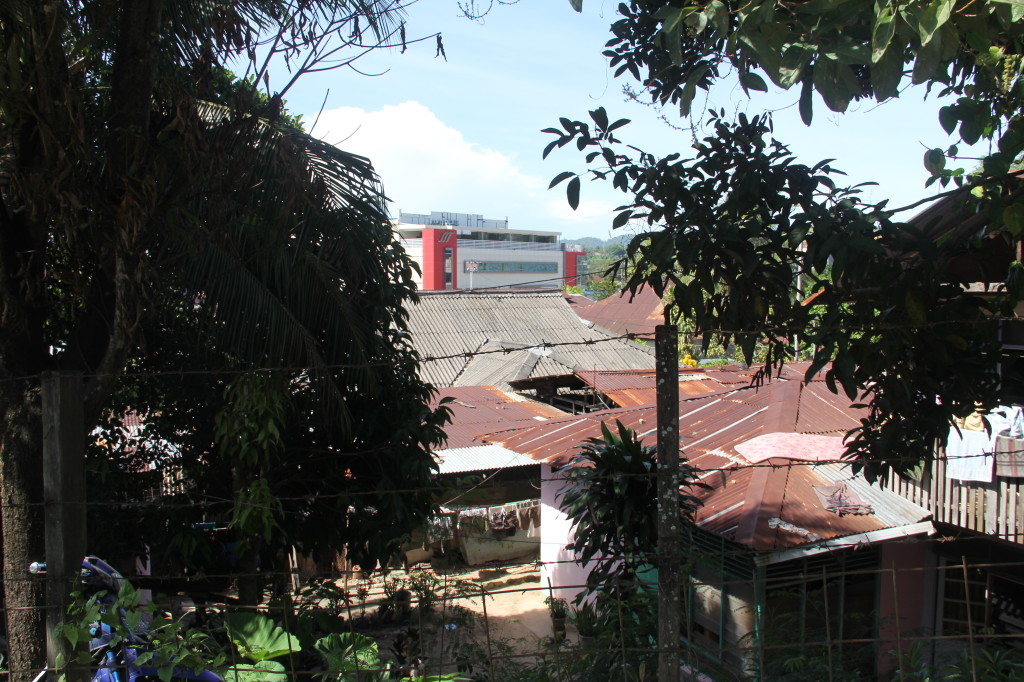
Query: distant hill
[594, 242]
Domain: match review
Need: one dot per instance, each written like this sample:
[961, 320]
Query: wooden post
[64, 503]
[666, 353]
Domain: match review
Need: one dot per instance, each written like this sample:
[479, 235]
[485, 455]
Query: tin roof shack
[480, 475]
[785, 527]
[976, 497]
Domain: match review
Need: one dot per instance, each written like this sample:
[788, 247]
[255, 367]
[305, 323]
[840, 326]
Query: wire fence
[949, 605]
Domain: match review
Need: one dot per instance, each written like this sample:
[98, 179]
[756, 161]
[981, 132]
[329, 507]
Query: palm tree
[130, 173]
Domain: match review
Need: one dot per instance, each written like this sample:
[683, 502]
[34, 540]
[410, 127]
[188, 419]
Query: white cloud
[428, 166]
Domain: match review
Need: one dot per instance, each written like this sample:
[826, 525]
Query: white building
[468, 251]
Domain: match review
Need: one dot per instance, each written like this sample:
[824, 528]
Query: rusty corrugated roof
[625, 314]
[477, 410]
[767, 506]
[629, 388]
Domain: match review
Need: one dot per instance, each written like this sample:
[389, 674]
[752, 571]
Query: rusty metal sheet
[638, 314]
[477, 410]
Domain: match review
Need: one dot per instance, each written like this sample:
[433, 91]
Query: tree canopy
[144, 188]
[760, 249]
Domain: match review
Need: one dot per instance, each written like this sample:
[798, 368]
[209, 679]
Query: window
[512, 267]
[449, 268]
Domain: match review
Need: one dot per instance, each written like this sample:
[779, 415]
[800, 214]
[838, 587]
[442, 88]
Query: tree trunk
[21, 487]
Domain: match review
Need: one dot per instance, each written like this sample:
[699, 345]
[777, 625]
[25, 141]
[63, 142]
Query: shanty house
[785, 526]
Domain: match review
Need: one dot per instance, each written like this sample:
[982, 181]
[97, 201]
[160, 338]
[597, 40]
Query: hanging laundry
[969, 455]
[503, 517]
[439, 528]
[1009, 457]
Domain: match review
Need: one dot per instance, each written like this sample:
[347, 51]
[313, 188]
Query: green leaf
[621, 219]
[576, 5]
[836, 83]
[934, 161]
[882, 34]
[1015, 280]
[752, 81]
[948, 118]
[258, 638]
[887, 73]
[806, 103]
[718, 16]
[264, 671]
[793, 65]
[690, 88]
[560, 177]
[932, 18]
[1013, 219]
[926, 67]
[572, 193]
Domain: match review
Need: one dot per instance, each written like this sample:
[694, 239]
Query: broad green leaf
[690, 88]
[576, 5]
[564, 175]
[836, 83]
[948, 118]
[258, 638]
[1013, 219]
[887, 73]
[718, 16]
[932, 18]
[928, 58]
[934, 161]
[621, 219]
[806, 101]
[793, 65]
[1012, 141]
[882, 34]
[972, 123]
[766, 44]
[1015, 280]
[572, 193]
[349, 652]
[752, 81]
[264, 671]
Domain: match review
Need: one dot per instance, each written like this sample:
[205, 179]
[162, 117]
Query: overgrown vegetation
[734, 224]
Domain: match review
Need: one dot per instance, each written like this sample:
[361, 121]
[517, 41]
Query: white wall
[484, 280]
[557, 569]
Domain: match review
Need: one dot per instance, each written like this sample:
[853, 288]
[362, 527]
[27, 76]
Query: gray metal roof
[480, 458]
[447, 323]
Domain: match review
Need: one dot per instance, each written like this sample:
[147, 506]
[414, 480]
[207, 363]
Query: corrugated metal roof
[477, 410]
[624, 314]
[462, 324]
[479, 458]
[766, 506]
[628, 388]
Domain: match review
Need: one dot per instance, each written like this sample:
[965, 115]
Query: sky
[462, 134]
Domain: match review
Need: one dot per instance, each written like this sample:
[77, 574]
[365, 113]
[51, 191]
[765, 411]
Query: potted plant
[584, 617]
[558, 608]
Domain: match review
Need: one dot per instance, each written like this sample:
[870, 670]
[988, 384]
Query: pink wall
[911, 595]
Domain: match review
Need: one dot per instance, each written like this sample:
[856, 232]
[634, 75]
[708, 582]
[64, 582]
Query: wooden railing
[995, 508]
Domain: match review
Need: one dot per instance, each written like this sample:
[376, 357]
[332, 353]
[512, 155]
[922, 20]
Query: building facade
[468, 251]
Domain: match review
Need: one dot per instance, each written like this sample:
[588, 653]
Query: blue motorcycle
[118, 656]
